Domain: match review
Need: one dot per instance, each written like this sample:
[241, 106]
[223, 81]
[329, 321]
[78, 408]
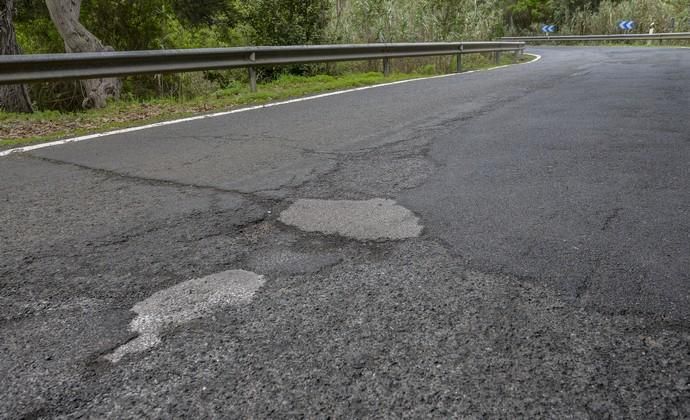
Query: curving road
[510, 243]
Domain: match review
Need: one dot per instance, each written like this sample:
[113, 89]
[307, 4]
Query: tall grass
[664, 15]
[414, 20]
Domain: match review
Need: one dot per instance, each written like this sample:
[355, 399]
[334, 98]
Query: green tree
[13, 98]
[524, 13]
[127, 24]
[288, 22]
[206, 12]
[66, 15]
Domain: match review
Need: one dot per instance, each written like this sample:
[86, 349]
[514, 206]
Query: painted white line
[236, 111]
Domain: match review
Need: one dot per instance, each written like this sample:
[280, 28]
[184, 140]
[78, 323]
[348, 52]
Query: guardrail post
[386, 67]
[252, 80]
[252, 74]
[497, 56]
[458, 59]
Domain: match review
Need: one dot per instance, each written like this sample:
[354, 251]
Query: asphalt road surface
[512, 243]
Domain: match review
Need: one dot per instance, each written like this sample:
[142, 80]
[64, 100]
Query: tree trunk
[13, 98]
[65, 16]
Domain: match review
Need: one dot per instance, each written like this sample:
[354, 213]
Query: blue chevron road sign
[549, 29]
[626, 25]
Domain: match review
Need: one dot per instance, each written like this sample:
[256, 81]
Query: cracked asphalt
[551, 277]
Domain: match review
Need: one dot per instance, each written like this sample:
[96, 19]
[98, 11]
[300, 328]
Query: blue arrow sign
[626, 25]
[549, 29]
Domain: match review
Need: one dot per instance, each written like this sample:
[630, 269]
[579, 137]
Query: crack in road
[109, 174]
[611, 218]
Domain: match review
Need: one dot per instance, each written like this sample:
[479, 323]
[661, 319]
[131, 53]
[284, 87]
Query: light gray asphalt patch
[184, 302]
[364, 220]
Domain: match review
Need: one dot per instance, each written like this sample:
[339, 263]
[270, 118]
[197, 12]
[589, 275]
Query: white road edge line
[236, 111]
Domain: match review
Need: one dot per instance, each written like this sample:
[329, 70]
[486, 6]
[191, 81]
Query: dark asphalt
[551, 279]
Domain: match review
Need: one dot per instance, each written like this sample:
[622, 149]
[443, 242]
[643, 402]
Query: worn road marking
[235, 111]
[372, 219]
[185, 302]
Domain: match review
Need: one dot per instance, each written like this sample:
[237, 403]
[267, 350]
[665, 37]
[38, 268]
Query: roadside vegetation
[71, 108]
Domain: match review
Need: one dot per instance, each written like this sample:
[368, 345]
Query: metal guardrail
[49, 67]
[584, 38]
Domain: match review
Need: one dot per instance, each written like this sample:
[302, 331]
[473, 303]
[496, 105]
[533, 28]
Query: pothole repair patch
[365, 220]
[185, 302]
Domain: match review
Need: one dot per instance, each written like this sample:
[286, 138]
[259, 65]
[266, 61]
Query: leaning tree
[65, 17]
[13, 98]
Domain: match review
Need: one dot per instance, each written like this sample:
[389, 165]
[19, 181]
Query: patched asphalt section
[185, 302]
[364, 220]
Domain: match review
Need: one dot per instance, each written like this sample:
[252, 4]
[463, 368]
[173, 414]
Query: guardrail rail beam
[615, 37]
[16, 69]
